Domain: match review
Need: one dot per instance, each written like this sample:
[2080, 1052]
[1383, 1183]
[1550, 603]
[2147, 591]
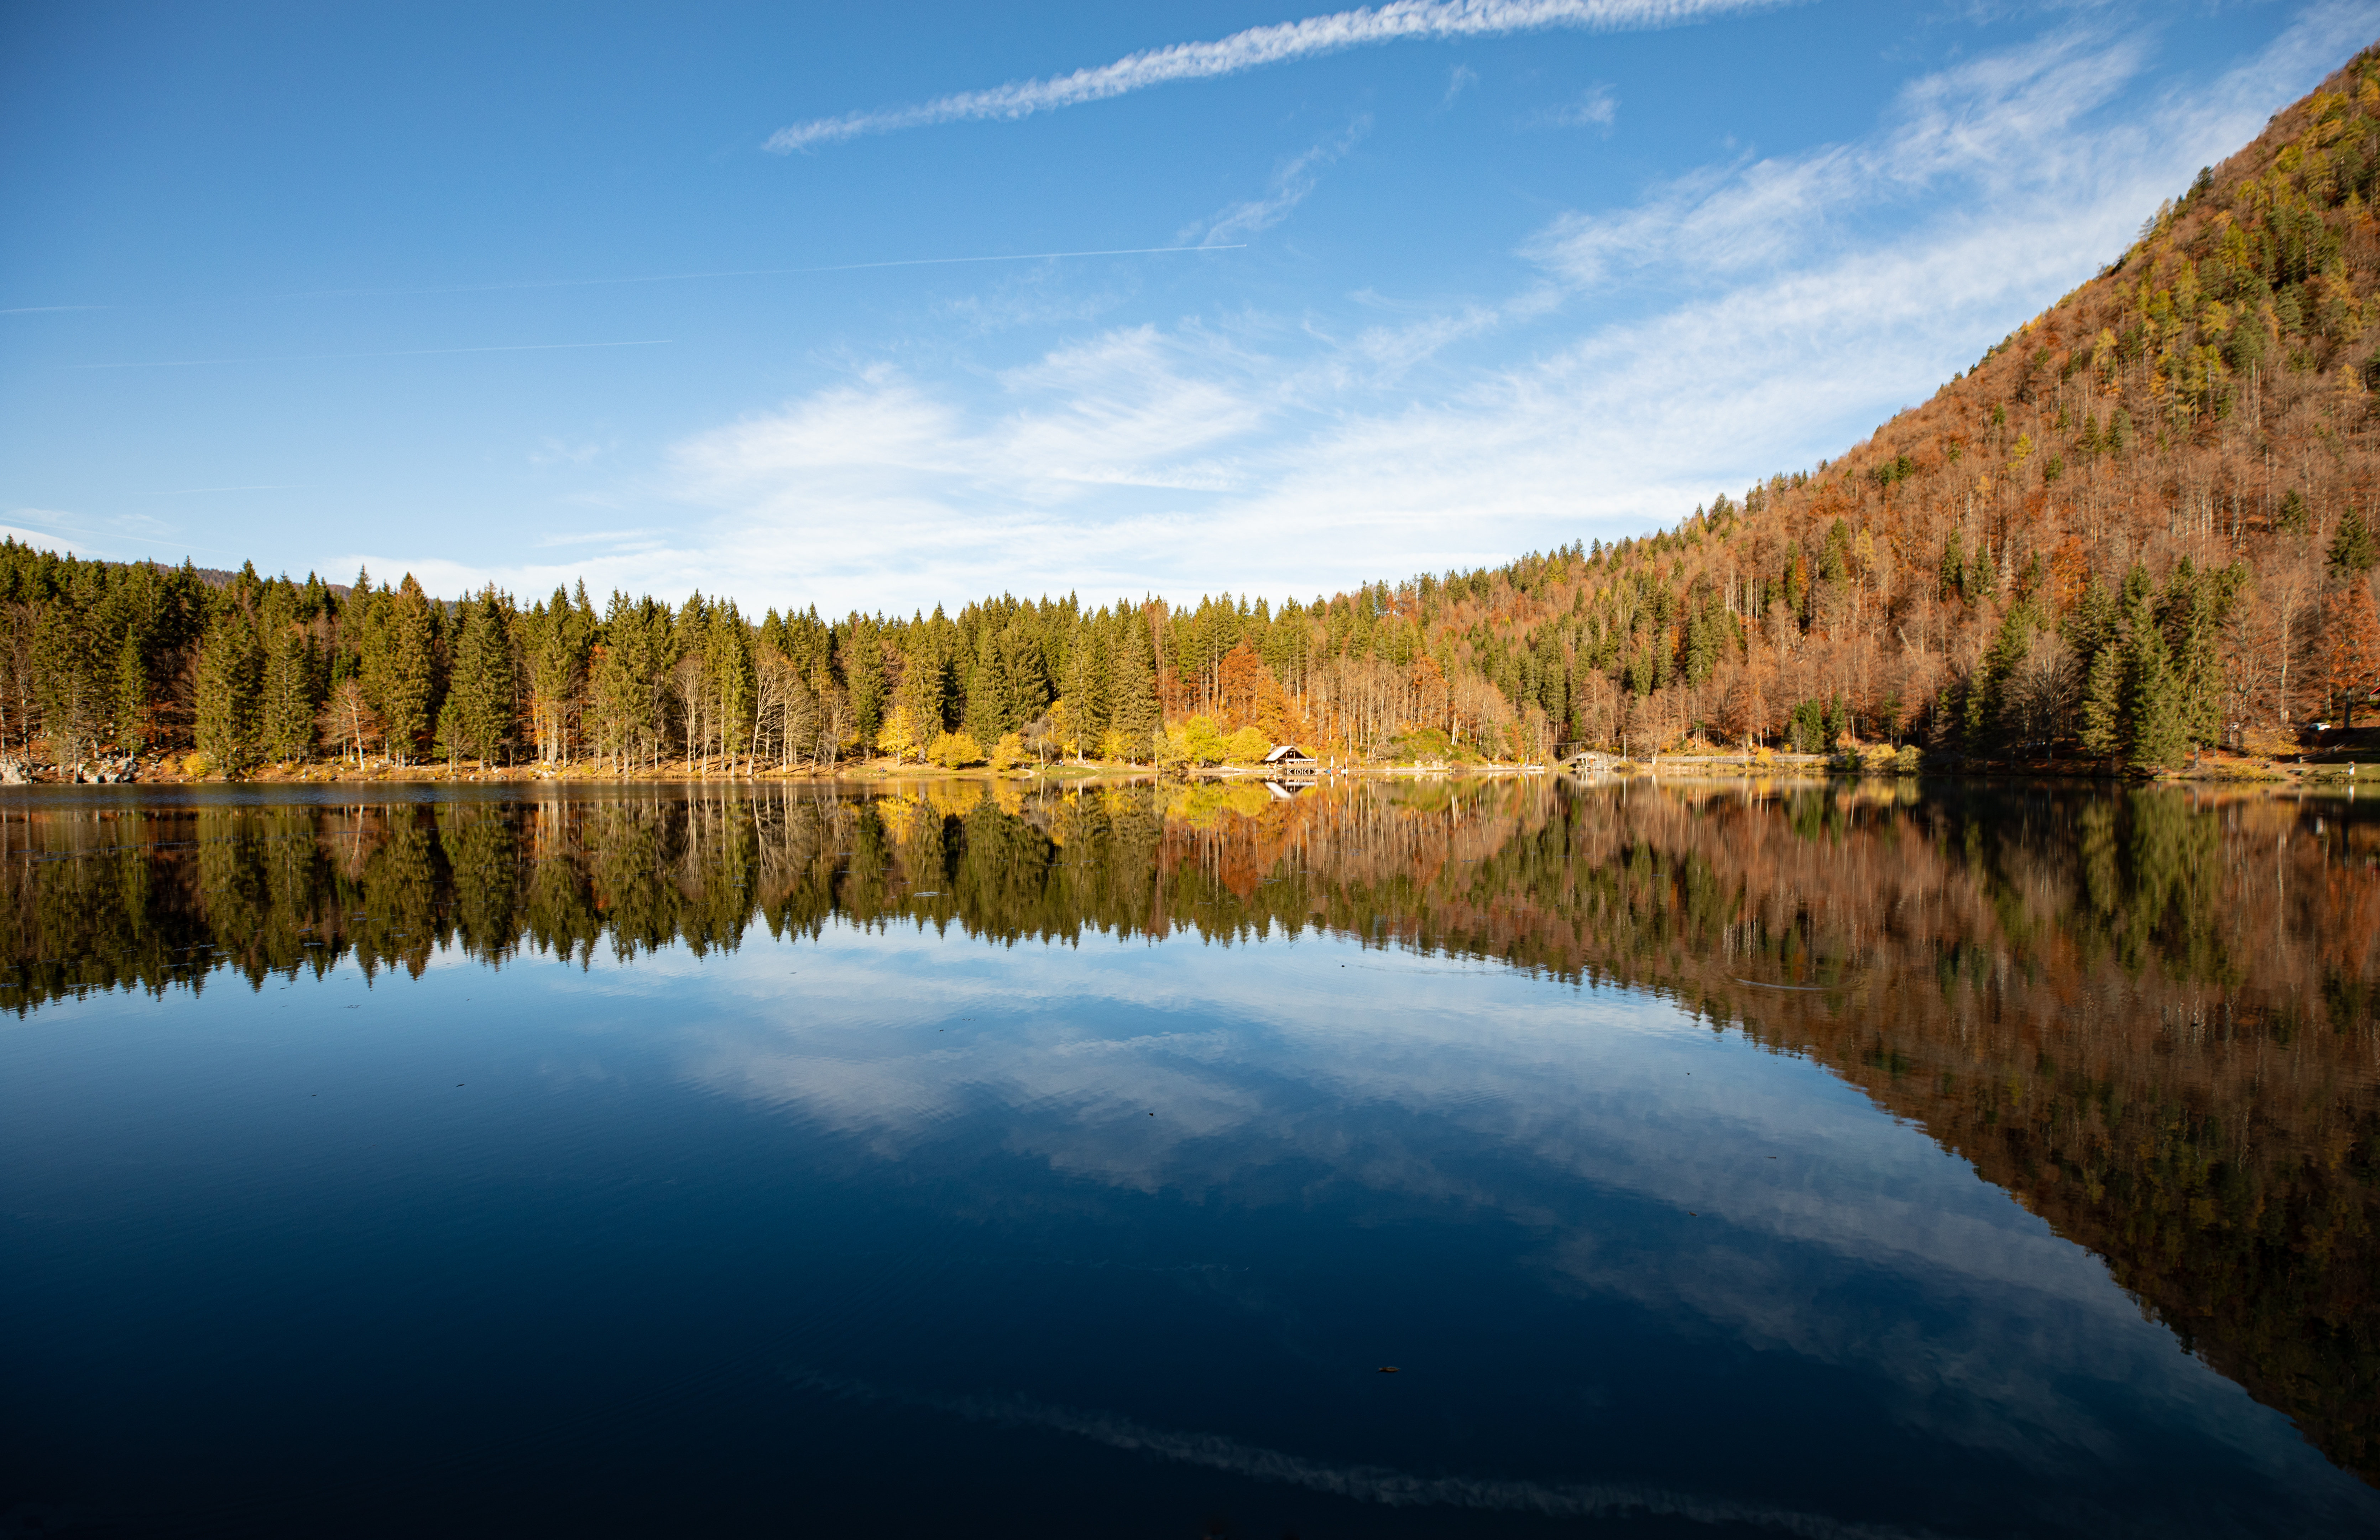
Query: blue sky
[663, 297]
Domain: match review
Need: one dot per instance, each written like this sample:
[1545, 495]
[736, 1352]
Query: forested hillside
[2141, 524]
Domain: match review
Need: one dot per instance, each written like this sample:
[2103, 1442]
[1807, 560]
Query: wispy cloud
[1775, 310]
[551, 450]
[43, 539]
[2000, 121]
[1289, 187]
[1460, 79]
[1258, 46]
[245, 487]
[89, 536]
[1598, 108]
[398, 353]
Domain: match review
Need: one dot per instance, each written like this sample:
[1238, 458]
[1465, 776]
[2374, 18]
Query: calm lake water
[1857, 1160]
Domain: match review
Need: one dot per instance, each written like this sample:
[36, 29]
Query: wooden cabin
[1289, 760]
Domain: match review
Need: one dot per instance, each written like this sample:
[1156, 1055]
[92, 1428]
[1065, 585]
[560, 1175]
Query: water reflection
[2145, 1013]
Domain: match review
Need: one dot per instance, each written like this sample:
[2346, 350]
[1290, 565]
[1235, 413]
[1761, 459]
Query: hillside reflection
[2147, 1013]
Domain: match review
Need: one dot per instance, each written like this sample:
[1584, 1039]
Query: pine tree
[288, 695]
[2353, 548]
[224, 694]
[1024, 673]
[2192, 612]
[2153, 722]
[863, 678]
[1953, 567]
[2102, 732]
[728, 677]
[400, 667]
[1132, 711]
[629, 669]
[1086, 688]
[482, 683]
[558, 637]
[71, 682]
[985, 688]
[918, 701]
[131, 695]
[1986, 707]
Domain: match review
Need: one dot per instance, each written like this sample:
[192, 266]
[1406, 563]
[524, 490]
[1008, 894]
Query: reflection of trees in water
[2147, 1013]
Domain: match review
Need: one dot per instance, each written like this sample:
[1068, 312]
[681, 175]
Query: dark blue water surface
[720, 1162]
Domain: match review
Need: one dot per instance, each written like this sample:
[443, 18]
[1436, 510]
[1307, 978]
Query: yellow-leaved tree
[899, 734]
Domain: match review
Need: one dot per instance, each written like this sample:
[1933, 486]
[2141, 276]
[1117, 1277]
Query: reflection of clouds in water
[1372, 1483]
[1599, 1119]
[1281, 1052]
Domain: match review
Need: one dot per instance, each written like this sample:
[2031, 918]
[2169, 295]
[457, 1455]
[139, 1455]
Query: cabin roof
[1286, 751]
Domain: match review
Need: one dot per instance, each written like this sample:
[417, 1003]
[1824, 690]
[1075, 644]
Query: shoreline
[1728, 768]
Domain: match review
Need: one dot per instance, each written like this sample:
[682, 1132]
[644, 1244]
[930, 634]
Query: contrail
[1263, 45]
[752, 271]
[644, 278]
[103, 540]
[253, 487]
[1371, 1484]
[400, 353]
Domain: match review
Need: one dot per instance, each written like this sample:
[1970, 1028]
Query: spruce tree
[289, 694]
[558, 637]
[2102, 732]
[2154, 731]
[400, 666]
[1986, 703]
[1132, 712]
[1025, 671]
[2353, 548]
[986, 688]
[482, 683]
[862, 678]
[224, 694]
[1953, 567]
[917, 703]
[728, 675]
[1086, 686]
[131, 698]
[448, 741]
[619, 704]
[2192, 612]
[71, 681]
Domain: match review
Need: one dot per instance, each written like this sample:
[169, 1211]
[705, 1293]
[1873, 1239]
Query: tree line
[101, 658]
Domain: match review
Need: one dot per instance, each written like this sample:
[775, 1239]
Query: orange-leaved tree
[2350, 647]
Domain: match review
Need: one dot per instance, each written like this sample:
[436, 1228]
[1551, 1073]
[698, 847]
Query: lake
[1478, 1157]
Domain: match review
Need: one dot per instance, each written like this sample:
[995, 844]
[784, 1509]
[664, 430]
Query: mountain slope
[2141, 521]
